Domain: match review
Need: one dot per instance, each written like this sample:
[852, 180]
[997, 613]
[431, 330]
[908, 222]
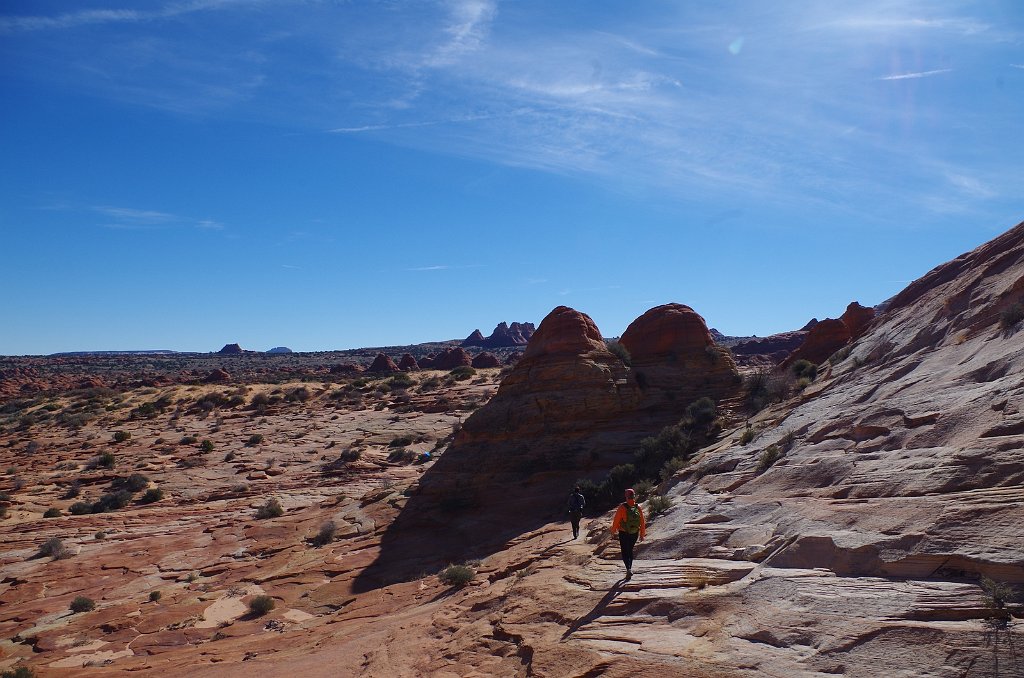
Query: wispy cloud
[89, 17]
[1021, 66]
[130, 218]
[919, 74]
[444, 267]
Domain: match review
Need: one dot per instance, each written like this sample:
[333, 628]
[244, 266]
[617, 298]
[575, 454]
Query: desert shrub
[5, 496]
[254, 440]
[400, 380]
[658, 504]
[136, 482]
[112, 501]
[802, 383]
[841, 355]
[747, 435]
[188, 440]
[672, 467]
[771, 454]
[1011, 316]
[20, 672]
[261, 605]
[429, 384]
[456, 575]
[351, 455]
[326, 534]
[105, 460]
[804, 369]
[3, 512]
[402, 456]
[300, 394]
[620, 352]
[621, 477]
[400, 441]
[643, 489]
[80, 508]
[154, 596]
[206, 446]
[654, 451]
[462, 373]
[765, 387]
[100, 535]
[702, 411]
[997, 593]
[122, 436]
[54, 548]
[152, 495]
[52, 513]
[272, 509]
[82, 604]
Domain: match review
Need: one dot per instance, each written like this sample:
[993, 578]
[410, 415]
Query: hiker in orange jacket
[630, 525]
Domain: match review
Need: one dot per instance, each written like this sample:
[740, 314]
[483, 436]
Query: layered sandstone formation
[516, 334]
[408, 362]
[382, 363]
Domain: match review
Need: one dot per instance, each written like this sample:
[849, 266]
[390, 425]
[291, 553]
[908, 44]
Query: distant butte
[504, 335]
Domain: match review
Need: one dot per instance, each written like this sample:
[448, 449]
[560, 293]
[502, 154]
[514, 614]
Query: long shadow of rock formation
[570, 409]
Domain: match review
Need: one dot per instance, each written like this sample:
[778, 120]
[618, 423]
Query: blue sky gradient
[327, 175]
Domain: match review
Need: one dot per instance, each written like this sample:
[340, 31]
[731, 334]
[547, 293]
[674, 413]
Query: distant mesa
[383, 363]
[231, 349]
[504, 335]
[276, 349]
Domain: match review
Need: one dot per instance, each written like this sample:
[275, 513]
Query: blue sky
[328, 175]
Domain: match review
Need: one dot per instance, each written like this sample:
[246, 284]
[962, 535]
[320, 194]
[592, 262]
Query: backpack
[576, 503]
[631, 524]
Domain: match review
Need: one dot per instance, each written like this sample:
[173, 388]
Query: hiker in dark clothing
[576, 505]
[631, 526]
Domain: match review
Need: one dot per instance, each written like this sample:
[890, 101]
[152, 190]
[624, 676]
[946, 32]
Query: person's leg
[628, 545]
[575, 518]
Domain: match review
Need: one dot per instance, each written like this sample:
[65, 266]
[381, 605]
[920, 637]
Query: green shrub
[456, 575]
[136, 482]
[765, 387]
[272, 509]
[770, 455]
[429, 384]
[80, 508]
[154, 596]
[52, 513]
[82, 604]
[326, 534]
[643, 488]
[254, 440]
[997, 593]
[400, 381]
[100, 535]
[188, 440]
[672, 467]
[54, 548]
[153, 494]
[620, 352]
[206, 446]
[1011, 316]
[300, 394]
[112, 501]
[658, 504]
[621, 477]
[805, 369]
[400, 441]
[462, 373]
[747, 435]
[106, 460]
[702, 411]
[261, 605]
[20, 672]
[122, 436]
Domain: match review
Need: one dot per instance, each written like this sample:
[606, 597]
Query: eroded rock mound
[485, 360]
[451, 358]
[408, 362]
[383, 363]
[824, 339]
[857, 319]
[217, 376]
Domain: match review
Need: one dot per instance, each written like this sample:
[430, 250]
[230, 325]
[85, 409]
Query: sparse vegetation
[261, 605]
[136, 482]
[400, 441]
[105, 460]
[620, 352]
[804, 369]
[747, 435]
[771, 454]
[765, 387]
[1011, 316]
[188, 440]
[997, 593]
[206, 446]
[100, 535]
[254, 440]
[462, 373]
[19, 672]
[456, 575]
[54, 548]
[271, 509]
[326, 534]
[52, 513]
[151, 495]
[82, 604]
[154, 596]
[122, 436]
[658, 504]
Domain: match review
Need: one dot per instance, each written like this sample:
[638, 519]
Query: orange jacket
[620, 515]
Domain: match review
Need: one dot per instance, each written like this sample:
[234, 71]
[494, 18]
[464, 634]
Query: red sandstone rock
[408, 362]
[857, 319]
[476, 338]
[827, 337]
[383, 363]
[485, 359]
[451, 358]
[217, 376]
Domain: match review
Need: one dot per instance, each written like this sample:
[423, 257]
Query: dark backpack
[631, 524]
[576, 503]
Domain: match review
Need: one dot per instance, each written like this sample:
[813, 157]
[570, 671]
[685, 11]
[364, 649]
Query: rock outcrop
[345, 368]
[504, 335]
[857, 319]
[382, 363]
[217, 376]
[408, 362]
[451, 358]
[486, 360]
[231, 349]
[824, 339]
[775, 348]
